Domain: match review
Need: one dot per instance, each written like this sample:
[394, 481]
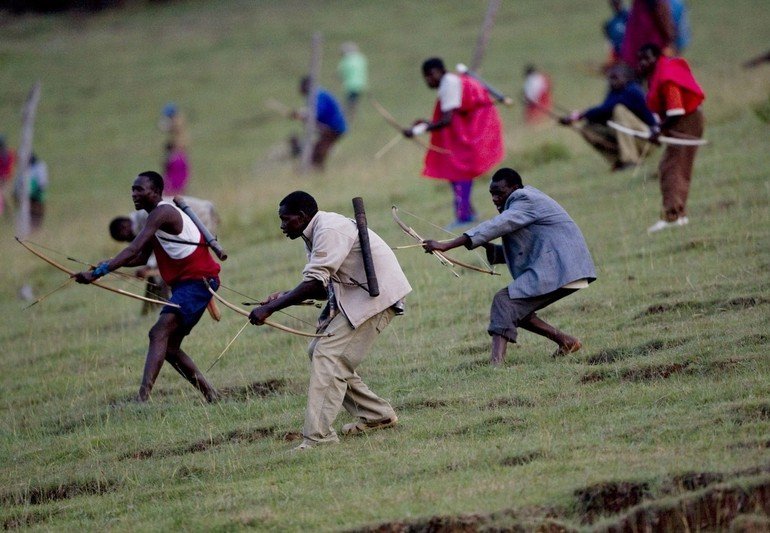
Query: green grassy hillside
[664, 412]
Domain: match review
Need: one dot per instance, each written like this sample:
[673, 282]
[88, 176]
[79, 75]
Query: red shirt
[673, 89]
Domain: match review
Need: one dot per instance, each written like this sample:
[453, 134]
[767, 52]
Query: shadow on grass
[709, 307]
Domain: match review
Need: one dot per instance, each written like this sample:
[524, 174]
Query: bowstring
[279, 311]
[476, 252]
[128, 278]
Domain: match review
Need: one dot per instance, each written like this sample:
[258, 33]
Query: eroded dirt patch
[52, 493]
[692, 481]
[513, 401]
[641, 350]
[649, 373]
[710, 307]
[423, 404]
[609, 498]
[519, 460]
[233, 437]
[711, 510]
[491, 426]
[749, 413]
[253, 390]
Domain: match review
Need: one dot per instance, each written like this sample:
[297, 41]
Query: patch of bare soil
[715, 509]
[752, 412]
[519, 460]
[711, 307]
[424, 404]
[642, 350]
[693, 501]
[649, 373]
[235, 436]
[252, 390]
[506, 401]
[610, 497]
[490, 426]
[52, 493]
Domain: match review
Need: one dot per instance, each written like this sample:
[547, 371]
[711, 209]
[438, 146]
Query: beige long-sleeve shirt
[334, 256]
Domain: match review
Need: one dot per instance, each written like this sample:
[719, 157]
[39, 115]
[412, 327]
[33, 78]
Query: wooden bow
[390, 119]
[443, 259]
[72, 273]
[245, 313]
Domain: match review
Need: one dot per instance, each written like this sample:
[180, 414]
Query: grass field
[662, 420]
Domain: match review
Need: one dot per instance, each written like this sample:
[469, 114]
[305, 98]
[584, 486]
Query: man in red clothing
[184, 263]
[7, 160]
[675, 96]
[649, 21]
[465, 129]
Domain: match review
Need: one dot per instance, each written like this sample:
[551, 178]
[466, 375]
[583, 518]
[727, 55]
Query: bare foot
[568, 346]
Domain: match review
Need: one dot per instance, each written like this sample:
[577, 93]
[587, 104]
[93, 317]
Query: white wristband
[420, 128]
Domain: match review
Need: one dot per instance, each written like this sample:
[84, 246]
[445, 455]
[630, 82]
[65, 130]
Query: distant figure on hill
[329, 119]
[624, 104]
[681, 25]
[649, 21]
[37, 181]
[465, 130]
[7, 160]
[126, 228]
[335, 269]
[537, 95]
[675, 96]
[353, 71]
[173, 123]
[183, 266]
[177, 171]
[614, 29]
[545, 252]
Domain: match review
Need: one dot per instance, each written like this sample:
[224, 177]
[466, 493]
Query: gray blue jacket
[542, 246]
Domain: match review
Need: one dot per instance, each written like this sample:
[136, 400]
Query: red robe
[674, 71]
[474, 137]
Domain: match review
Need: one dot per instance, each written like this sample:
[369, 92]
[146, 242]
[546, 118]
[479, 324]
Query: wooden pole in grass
[486, 30]
[21, 186]
[310, 123]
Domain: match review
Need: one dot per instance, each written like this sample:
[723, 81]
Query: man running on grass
[335, 269]
[184, 262]
[545, 253]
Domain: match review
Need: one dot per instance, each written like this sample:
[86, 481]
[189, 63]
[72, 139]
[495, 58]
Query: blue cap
[169, 110]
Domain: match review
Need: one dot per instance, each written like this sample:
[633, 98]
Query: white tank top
[190, 233]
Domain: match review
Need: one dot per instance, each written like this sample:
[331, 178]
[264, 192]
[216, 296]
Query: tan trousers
[614, 146]
[334, 382]
[675, 167]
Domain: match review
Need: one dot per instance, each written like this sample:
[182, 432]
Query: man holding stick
[353, 318]
[184, 263]
[546, 254]
[675, 96]
[467, 131]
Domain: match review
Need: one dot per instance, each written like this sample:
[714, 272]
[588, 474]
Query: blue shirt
[630, 96]
[615, 28]
[329, 113]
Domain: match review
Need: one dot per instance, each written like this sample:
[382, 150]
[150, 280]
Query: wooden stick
[486, 30]
[391, 143]
[310, 122]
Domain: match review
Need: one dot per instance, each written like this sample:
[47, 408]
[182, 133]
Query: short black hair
[509, 176]
[156, 180]
[431, 63]
[299, 201]
[652, 48]
[115, 227]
